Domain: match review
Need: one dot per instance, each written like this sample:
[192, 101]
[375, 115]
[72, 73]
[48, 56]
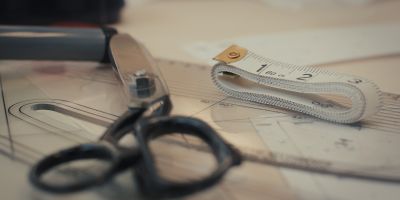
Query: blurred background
[48, 12]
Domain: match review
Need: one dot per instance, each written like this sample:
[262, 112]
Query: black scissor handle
[102, 151]
[106, 150]
[150, 181]
[141, 158]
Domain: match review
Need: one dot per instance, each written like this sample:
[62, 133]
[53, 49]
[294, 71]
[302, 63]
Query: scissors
[147, 116]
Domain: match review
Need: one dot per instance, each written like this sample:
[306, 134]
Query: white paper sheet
[313, 47]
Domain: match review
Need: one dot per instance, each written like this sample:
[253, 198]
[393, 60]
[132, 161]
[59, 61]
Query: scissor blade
[130, 58]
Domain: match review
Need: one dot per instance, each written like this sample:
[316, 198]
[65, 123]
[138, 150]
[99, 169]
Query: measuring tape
[243, 74]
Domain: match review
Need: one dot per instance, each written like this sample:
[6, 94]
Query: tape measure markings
[293, 87]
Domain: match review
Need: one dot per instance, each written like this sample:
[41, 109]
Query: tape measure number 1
[243, 74]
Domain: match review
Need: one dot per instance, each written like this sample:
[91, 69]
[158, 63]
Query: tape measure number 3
[331, 96]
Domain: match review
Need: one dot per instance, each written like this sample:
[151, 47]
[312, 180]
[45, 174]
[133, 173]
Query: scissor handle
[102, 151]
[147, 175]
[106, 150]
[141, 158]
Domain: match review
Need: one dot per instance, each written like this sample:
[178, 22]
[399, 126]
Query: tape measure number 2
[331, 96]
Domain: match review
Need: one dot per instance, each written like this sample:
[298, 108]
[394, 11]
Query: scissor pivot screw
[142, 84]
[141, 73]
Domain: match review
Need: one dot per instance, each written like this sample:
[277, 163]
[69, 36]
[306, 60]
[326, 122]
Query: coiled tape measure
[243, 74]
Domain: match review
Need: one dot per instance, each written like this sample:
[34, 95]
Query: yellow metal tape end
[232, 54]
